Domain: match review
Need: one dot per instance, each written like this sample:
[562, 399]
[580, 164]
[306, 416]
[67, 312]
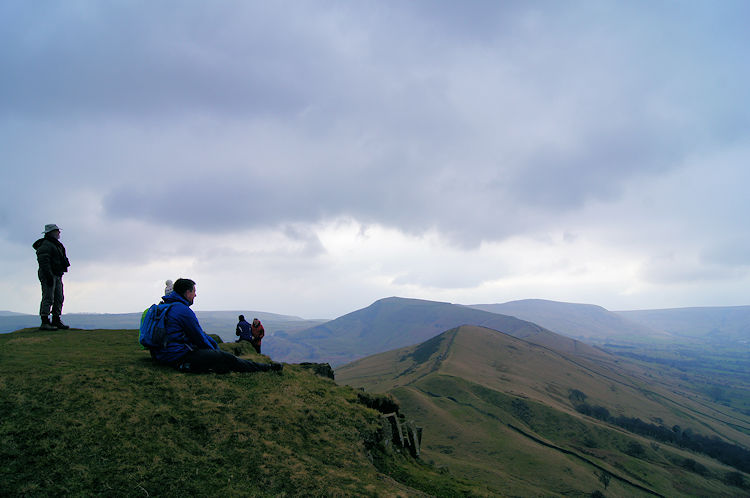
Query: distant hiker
[188, 348]
[53, 262]
[168, 287]
[243, 330]
[258, 333]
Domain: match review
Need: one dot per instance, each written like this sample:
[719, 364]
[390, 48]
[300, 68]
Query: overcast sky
[311, 157]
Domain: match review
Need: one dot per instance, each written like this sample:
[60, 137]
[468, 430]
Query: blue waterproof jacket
[243, 330]
[184, 333]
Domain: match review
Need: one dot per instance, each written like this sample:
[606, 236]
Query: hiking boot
[56, 322]
[46, 325]
[276, 367]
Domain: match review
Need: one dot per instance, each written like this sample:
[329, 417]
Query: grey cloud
[310, 244]
[246, 198]
[674, 270]
[151, 59]
[596, 168]
[443, 278]
[733, 253]
[367, 110]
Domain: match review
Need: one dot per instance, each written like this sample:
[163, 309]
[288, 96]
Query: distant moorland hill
[9, 313]
[586, 322]
[540, 422]
[221, 323]
[696, 339]
[720, 324]
[396, 322]
[596, 325]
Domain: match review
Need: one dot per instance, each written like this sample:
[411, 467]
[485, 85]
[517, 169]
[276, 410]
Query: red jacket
[256, 328]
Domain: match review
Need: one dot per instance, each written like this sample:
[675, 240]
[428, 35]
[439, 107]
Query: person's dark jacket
[50, 253]
[184, 333]
[243, 330]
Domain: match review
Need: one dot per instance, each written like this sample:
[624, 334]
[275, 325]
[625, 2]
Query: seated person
[243, 330]
[188, 348]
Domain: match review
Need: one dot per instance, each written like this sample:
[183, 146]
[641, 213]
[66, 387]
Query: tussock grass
[89, 413]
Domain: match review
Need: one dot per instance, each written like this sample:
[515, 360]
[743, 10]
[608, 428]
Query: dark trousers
[52, 296]
[211, 360]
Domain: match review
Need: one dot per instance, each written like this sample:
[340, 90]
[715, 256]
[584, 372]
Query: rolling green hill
[397, 322]
[87, 413]
[534, 421]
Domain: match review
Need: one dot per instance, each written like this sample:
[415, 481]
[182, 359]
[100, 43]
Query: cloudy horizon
[310, 157]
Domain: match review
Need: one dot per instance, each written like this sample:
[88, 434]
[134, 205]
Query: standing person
[53, 262]
[188, 348]
[258, 333]
[243, 330]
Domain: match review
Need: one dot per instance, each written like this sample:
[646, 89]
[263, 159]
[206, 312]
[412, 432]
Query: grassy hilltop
[88, 413]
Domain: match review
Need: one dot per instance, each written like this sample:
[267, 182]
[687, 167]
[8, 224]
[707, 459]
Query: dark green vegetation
[725, 452]
[503, 411]
[87, 413]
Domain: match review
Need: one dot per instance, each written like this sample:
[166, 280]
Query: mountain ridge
[649, 323]
[587, 322]
[395, 322]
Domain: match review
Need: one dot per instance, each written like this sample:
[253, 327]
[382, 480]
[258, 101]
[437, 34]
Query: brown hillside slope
[497, 408]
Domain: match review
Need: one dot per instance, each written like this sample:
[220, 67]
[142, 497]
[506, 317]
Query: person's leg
[57, 304]
[209, 360]
[256, 346]
[58, 297]
[48, 292]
